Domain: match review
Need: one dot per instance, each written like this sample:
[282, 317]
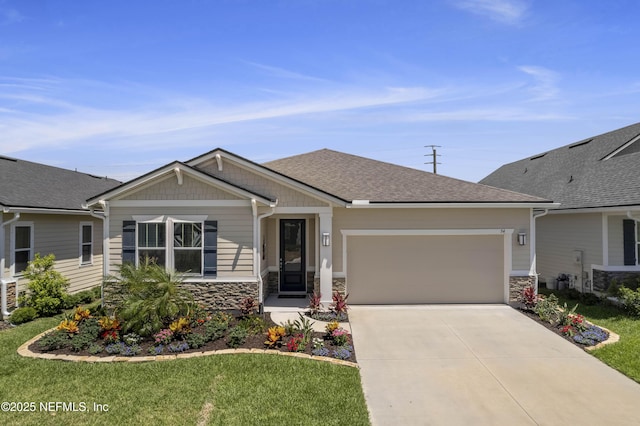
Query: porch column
[326, 259]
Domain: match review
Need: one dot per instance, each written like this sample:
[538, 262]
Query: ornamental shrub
[631, 300]
[22, 315]
[47, 287]
[153, 298]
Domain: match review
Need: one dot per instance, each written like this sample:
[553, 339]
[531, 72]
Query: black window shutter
[129, 241]
[210, 248]
[629, 241]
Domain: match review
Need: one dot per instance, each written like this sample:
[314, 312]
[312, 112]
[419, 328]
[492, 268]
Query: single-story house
[594, 236]
[324, 221]
[42, 212]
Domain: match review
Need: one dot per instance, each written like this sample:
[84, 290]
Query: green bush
[237, 336]
[54, 340]
[548, 309]
[70, 301]
[47, 287]
[153, 298]
[631, 300]
[195, 340]
[22, 315]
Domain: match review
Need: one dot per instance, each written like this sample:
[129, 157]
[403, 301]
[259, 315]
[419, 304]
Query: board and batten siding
[559, 235]
[235, 234]
[369, 218]
[60, 235]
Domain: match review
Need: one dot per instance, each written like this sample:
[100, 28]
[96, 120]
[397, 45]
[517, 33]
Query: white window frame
[169, 248]
[173, 248]
[166, 236]
[82, 244]
[15, 225]
[637, 243]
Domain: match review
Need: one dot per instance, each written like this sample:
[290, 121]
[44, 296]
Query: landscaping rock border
[24, 351]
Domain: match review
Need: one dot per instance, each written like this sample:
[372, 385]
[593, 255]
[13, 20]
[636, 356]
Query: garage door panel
[425, 269]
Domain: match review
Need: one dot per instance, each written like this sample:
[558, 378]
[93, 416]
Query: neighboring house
[594, 236]
[42, 212]
[324, 220]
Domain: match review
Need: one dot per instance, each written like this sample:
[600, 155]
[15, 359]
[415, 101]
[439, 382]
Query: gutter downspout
[105, 243]
[257, 219]
[630, 216]
[3, 283]
[533, 271]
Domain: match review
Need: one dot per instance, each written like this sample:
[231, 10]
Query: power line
[434, 155]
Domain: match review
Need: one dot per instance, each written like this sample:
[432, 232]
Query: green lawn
[623, 356]
[215, 390]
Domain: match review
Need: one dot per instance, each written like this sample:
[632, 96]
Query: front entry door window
[292, 256]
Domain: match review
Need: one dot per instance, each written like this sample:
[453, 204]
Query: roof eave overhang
[363, 204]
[43, 210]
[610, 209]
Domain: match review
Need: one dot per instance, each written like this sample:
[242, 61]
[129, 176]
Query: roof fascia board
[500, 205]
[152, 177]
[273, 175]
[40, 210]
[620, 209]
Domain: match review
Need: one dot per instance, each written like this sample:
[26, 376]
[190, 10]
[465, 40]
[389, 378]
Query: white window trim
[12, 269]
[81, 244]
[169, 248]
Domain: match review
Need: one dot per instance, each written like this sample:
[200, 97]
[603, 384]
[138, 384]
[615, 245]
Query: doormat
[292, 296]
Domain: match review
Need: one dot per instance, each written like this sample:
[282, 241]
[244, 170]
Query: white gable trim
[265, 172]
[171, 169]
[622, 148]
[180, 203]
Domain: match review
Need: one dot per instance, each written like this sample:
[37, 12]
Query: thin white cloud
[510, 12]
[284, 73]
[487, 114]
[66, 124]
[545, 81]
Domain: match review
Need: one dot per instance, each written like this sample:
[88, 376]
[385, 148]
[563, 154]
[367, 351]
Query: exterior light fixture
[326, 239]
[522, 238]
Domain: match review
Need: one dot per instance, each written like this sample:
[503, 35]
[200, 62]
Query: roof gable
[33, 185]
[602, 171]
[179, 170]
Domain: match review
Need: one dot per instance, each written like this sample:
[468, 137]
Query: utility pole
[435, 156]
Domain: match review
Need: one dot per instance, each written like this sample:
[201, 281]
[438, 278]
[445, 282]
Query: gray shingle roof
[34, 185]
[351, 177]
[578, 175]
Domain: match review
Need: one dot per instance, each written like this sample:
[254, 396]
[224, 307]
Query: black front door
[292, 256]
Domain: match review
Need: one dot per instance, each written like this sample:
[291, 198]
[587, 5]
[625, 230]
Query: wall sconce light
[522, 238]
[326, 239]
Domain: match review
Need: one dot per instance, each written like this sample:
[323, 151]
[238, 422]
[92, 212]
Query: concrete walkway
[481, 365]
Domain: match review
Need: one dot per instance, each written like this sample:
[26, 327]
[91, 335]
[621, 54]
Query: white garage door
[425, 269]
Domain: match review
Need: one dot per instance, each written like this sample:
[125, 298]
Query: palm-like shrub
[153, 298]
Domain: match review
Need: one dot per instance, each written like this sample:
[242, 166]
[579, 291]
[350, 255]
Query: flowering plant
[295, 344]
[340, 336]
[164, 336]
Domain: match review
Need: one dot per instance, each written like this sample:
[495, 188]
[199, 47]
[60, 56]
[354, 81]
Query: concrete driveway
[481, 365]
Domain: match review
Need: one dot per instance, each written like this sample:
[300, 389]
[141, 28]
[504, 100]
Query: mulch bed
[252, 342]
[551, 327]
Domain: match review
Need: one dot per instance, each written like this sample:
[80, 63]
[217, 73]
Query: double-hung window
[22, 246]
[152, 242]
[86, 243]
[185, 245]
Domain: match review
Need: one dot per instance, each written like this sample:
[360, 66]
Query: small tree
[47, 287]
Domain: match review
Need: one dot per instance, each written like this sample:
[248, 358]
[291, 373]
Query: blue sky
[119, 88]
